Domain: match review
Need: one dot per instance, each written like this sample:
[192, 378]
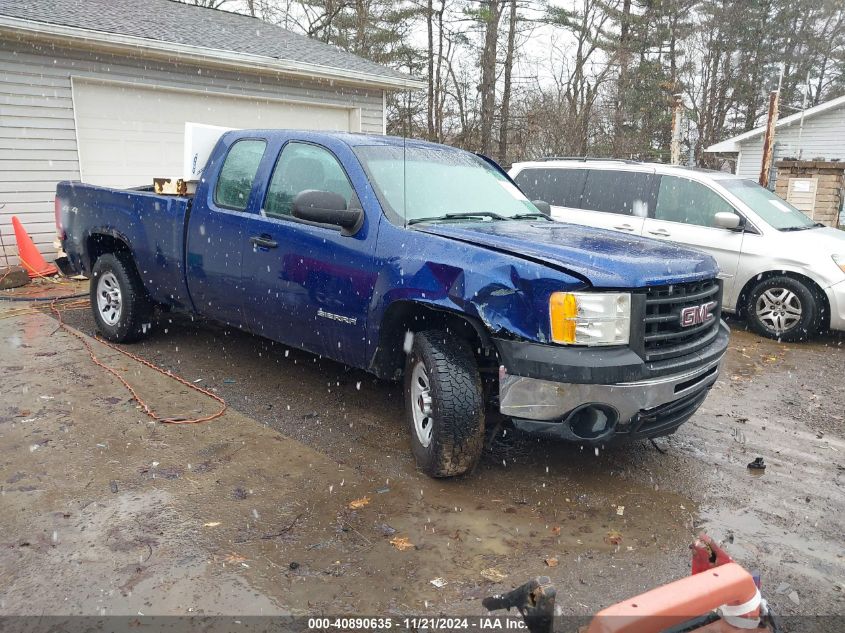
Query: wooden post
[677, 115]
[769, 141]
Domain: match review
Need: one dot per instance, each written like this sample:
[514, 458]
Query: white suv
[781, 271]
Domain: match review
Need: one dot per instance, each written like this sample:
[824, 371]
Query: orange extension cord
[146, 408]
[76, 304]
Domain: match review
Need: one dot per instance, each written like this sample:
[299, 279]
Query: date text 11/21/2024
[483, 623]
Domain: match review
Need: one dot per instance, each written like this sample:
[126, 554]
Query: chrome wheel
[109, 298]
[778, 309]
[421, 404]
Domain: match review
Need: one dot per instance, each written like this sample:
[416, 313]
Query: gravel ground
[304, 437]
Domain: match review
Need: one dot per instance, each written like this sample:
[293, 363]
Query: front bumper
[649, 406]
[836, 299]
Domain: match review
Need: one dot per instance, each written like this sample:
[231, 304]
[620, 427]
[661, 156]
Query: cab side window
[558, 187]
[303, 167]
[687, 201]
[238, 173]
[620, 192]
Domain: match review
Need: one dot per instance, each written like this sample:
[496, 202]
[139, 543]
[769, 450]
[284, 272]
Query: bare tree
[581, 87]
[439, 93]
[506, 88]
[611, 67]
[491, 14]
[622, 56]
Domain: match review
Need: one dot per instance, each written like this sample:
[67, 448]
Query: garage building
[101, 91]
[808, 159]
[817, 133]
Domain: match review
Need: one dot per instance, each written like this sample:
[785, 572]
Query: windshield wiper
[459, 216]
[525, 216]
[799, 228]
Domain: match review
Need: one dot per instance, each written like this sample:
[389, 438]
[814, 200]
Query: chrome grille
[664, 336]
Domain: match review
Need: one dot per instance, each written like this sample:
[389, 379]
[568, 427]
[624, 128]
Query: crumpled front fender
[508, 295]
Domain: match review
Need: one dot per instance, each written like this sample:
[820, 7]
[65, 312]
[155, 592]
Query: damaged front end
[569, 360]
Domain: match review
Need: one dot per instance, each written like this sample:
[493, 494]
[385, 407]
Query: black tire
[781, 324]
[456, 404]
[132, 319]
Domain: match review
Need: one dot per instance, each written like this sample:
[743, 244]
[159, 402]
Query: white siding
[823, 136]
[37, 132]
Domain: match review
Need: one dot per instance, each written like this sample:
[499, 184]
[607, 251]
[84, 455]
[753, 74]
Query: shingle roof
[175, 22]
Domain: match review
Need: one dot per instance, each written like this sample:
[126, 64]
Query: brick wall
[829, 180]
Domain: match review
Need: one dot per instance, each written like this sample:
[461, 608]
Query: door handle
[264, 241]
[660, 232]
[624, 227]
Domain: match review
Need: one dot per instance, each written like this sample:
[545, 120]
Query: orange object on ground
[31, 259]
[144, 406]
[706, 554]
[718, 589]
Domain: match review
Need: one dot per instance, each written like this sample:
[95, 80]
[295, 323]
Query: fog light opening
[591, 422]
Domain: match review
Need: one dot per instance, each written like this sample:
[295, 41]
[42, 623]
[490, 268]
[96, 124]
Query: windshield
[773, 209]
[418, 184]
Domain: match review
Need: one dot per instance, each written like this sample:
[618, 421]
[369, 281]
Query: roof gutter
[31, 29]
[726, 147]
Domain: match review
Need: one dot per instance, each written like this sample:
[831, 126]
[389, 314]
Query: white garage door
[129, 135]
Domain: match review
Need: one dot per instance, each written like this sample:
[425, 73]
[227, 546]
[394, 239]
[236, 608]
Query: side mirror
[727, 220]
[327, 207]
[543, 207]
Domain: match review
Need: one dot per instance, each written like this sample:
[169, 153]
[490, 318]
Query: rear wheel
[782, 308]
[121, 307]
[444, 404]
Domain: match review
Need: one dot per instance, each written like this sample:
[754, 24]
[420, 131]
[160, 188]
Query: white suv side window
[689, 202]
[618, 192]
[558, 187]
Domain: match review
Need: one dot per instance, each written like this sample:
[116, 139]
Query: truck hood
[604, 258]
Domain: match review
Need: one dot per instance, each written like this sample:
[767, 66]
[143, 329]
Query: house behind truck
[101, 92]
[808, 159]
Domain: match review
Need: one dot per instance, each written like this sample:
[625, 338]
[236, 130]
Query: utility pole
[769, 140]
[677, 115]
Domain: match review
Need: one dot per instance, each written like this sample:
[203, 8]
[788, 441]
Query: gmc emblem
[696, 315]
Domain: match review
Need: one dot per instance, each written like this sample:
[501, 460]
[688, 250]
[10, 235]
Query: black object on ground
[757, 464]
[535, 601]
[63, 264]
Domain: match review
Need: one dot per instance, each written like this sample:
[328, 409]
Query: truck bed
[154, 226]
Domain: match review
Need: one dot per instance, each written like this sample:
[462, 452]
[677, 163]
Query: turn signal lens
[590, 318]
[840, 261]
[563, 308]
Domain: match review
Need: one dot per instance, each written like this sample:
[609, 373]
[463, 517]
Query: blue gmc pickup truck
[419, 262]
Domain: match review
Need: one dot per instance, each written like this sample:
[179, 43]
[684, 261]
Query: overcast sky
[540, 48]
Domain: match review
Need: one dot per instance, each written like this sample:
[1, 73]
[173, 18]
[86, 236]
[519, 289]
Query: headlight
[840, 261]
[590, 318]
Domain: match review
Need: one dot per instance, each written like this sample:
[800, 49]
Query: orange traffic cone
[30, 258]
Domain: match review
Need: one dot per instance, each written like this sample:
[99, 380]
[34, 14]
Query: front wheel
[782, 308]
[444, 404]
